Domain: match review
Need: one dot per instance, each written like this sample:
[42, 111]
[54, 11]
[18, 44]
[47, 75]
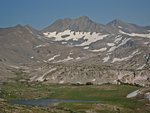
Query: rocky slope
[79, 51]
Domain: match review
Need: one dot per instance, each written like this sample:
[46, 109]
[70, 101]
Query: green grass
[111, 95]
[8, 108]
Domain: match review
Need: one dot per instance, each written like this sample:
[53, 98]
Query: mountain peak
[18, 26]
[82, 23]
[28, 26]
[126, 27]
[117, 20]
[84, 18]
[116, 23]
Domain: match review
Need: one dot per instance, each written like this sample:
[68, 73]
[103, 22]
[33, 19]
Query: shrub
[89, 83]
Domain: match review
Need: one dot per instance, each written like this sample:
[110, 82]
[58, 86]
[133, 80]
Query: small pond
[45, 102]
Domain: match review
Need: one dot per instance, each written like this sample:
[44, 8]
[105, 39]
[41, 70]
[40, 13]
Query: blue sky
[41, 13]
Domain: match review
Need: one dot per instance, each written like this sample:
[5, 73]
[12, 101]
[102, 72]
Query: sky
[42, 13]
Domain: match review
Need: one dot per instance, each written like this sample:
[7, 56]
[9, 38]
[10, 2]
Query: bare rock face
[95, 74]
[78, 51]
[83, 24]
[127, 27]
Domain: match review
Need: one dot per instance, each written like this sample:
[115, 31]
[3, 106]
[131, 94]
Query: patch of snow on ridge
[64, 60]
[125, 58]
[135, 34]
[135, 52]
[50, 59]
[146, 43]
[117, 40]
[64, 42]
[119, 27]
[92, 38]
[121, 59]
[133, 94]
[70, 53]
[94, 80]
[110, 44]
[75, 36]
[141, 67]
[103, 49]
[78, 58]
[46, 44]
[14, 66]
[86, 48]
[32, 57]
[61, 82]
[99, 50]
[112, 48]
[106, 59]
[124, 41]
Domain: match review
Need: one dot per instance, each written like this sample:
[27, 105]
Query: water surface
[45, 102]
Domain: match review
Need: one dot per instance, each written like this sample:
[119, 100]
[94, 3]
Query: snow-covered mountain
[109, 40]
[80, 47]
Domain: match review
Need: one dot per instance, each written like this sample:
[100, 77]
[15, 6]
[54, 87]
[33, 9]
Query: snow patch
[112, 49]
[75, 36]
[146, 43]
[53, 78]
[65, 60]
[50, 59]
[124, 41]
[32, 57]
[141, 67]
[38, 46]
[125, 58]
[78, 58]
[86, 48]
[94, 80]
[45, 61]
[133, 94]
[118, 39]
[119, 27]
[121, 59]
[135, 52]
[103, 49]
[70, 53]
[33, 78]
[61, 82]
[110, 44]
[106, 59]
[14, 66]
[99, 50]
[64, 42]
[136, 34]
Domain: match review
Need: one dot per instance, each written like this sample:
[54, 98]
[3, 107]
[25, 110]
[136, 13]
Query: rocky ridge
[71, 49]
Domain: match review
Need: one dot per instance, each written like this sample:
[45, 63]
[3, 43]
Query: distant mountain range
[78, 48]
